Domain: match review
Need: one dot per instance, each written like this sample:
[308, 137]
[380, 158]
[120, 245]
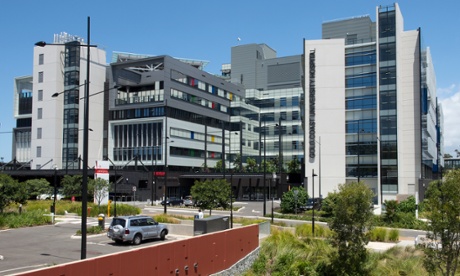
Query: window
[283, 102]
[39, 133]
[352, 38]
[39, 151]
[40, 95]
[41, 58]
[39, 113]
[40, 77]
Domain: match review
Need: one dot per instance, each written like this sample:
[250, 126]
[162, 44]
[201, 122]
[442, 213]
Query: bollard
[101, 221]
[20, 208]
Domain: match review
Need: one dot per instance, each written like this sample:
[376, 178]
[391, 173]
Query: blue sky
[208, 29]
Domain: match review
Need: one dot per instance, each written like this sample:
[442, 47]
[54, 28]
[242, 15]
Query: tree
[251, 165]
[11, 191]
[271, 168]
[442, 207]
[294, 166]
[352, 218]
[71, 185]
[236, 164]
[447, 155]
[36, 187]
[290, 200]
[101, 190]
[210, 194]
[327, 206]
[218, 167]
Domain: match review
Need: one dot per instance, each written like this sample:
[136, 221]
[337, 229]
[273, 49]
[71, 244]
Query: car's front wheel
[163, 235]
[137, 239]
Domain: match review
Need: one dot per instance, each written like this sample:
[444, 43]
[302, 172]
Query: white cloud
[450, 102]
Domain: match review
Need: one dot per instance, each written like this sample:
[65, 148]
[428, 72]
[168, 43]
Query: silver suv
[135, 229]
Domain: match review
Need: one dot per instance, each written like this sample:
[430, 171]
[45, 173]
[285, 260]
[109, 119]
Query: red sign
[159, 173]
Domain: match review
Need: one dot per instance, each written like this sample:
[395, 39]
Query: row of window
[143, 153]
[201, 85]
[361, 102]
[198, 136]
[138, 135]
[362, 80]
[360, 58]
[137, 113]
[198, 100]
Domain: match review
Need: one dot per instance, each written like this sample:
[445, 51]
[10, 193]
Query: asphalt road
[30, 248]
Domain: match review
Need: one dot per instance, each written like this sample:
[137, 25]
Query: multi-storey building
[56, 136]
[370, 96]
[273, 87]
[168, 116]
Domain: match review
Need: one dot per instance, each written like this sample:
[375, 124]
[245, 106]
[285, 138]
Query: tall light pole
[313, 197]
[265, 167]
[274, 178]
[320, 175]
[231, 176]
[55, 192]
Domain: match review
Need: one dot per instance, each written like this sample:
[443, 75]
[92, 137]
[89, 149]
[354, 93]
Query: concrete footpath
[382, 246]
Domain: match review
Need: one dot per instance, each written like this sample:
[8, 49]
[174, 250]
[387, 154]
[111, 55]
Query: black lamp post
[231, 177]
[55, 192]
[265, 167]
[274, 178]
[313, 197]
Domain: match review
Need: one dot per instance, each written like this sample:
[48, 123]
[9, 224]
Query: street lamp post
[231, 177]
[155, 148]
[313, 197]
[55, 193]
[274, 178]
[265, 166]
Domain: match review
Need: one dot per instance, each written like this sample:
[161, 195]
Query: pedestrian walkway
[383, 246]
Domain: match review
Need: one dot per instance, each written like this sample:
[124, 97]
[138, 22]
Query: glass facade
[388, 103]
[70, 159]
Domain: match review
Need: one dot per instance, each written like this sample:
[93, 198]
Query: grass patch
[378, 234]
[163, 218]
[306, 230]
[93, 230]
[25, 219]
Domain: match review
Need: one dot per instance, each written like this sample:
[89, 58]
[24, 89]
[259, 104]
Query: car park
[136, 229]
[173, 201]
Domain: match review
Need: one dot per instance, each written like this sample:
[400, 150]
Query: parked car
[50, 196]
[173, 201]
[313, 203]
[188, 201]
[135, 229]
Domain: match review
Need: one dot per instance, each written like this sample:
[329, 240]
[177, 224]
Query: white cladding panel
[409, 127]
[329, 114]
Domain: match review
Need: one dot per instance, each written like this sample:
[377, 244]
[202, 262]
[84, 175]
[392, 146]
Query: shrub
[393, 235]
[378, 234]
[163, 218]
[305, 230]
[93, 230]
